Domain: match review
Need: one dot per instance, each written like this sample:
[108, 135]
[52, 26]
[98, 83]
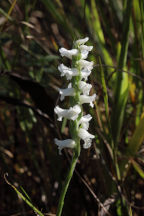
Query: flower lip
[84, 121]
[85, 47]
[87, 99]
[68, 72]
[85, 87]
[68, 53]
[84, 64]
[87, 143]
[68, 143]
[86, 137]
[85, 51]
[84, 134]
[81, 41]
[85, 74]
[66, 92]
[71, 113]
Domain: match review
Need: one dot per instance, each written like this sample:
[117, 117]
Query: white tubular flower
[66, 92]
[87, 99]
[79, 89]
[85, 74]
[85, 87]
[86, 137]
[68, 53]
[87, 143]
[85, 64]
[84, 121]
[71, 113]
[68, 72]
[84, 134]
[68, 143]
[85, 51]
[81, 41]
[86, 48]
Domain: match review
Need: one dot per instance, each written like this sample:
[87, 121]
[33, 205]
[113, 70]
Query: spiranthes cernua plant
[78, 90]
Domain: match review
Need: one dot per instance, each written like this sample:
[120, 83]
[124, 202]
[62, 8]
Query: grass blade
[59, 16]
[138, 168]
[104, 91]
[94, 25]
[121, 90]
[24, 198]
[115, 5]
[136, 139]
[133, 146]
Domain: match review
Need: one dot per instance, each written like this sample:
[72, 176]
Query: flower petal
[84, 134]
[71, 113]
[85, 74]
[85, 51]
[86, 137]
[85, 87]
[68, 143]
[84, 121]
[81, 41]
[68, 72]
[66, 92]
[87, 143]
[68, 53]
[85, 64]
[85, 47]
[87, 99]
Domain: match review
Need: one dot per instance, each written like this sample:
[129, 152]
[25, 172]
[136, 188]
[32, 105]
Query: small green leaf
[138, 168]
[136, 139]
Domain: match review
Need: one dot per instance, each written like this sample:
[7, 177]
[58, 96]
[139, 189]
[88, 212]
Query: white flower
[81, 41]
[84, 134]
[85, 74]
[66, 92]
[71, 113]
[87, 99]
[68, 143]
[85, 64]
[68, 53]
[86, 137]
[84, 121]
[87, 143]
[84, 54]
[86, 48]
[79, 74]
[85, 87]
[85, 51]
[68, 72]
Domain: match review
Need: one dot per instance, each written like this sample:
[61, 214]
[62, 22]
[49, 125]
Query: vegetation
[108, 179]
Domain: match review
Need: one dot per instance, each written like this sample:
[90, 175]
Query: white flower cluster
[76, 88]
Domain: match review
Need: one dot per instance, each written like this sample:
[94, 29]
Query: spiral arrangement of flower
[78, 90]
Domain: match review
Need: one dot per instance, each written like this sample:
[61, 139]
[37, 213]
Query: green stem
[74, 127]
[67, 182]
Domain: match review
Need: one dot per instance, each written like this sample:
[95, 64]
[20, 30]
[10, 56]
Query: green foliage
[121, 85]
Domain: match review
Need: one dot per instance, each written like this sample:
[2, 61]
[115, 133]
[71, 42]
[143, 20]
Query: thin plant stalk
[76, 153]
[67, 181]
[79, 124]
